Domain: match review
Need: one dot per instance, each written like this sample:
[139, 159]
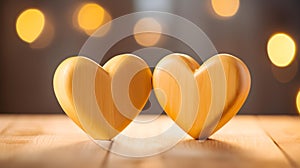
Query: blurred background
[37, 35]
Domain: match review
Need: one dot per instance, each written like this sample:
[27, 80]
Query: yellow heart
[201, 99]
[102, 100]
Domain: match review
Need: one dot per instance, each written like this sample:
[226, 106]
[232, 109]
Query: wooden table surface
[54, 141]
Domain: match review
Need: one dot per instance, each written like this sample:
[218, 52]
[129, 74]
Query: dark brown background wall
[26, 73]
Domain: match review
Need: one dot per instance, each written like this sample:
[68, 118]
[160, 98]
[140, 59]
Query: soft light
[30, 25]
[281, 49]
[147, 32]
[46, 37]
[298, 101]
[90, 17]
[225, 8]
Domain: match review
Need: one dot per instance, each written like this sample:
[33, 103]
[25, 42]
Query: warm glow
[281, 49]
[46, 37]
[30, 25]
[225, 8]
[298, 101]
[90, 16]
[147, 32]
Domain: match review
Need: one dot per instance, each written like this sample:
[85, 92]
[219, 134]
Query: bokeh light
[298, 101]
[90, 16]
[281, 49]
[147, 31]
[46, 37]
[30, 25]
[225, 8]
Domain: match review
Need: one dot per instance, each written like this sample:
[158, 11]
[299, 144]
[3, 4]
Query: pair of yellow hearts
[104, 100]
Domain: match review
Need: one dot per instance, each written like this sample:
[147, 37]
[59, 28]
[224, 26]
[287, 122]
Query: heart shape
[201, 99]
[102, 101]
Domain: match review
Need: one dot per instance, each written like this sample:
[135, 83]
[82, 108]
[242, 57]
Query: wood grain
[285, 132]
[55, 141]
[201, 99]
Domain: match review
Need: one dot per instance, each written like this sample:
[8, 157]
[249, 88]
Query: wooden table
[54, 141]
